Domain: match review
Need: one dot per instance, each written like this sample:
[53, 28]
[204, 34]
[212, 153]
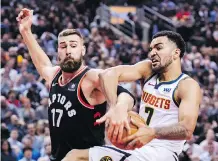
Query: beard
[69, 65]
[158, 67]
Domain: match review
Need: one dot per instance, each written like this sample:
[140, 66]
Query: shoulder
[188, 85]
[188, 82]
[53, 72]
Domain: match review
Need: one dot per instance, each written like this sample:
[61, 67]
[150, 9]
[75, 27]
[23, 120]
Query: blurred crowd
[24, 94]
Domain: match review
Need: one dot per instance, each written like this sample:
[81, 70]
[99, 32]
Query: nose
[152, 53]
[68, 51]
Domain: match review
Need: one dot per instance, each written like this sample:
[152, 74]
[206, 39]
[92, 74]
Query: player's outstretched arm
[124, 73]
[190, 94]
[39, 58]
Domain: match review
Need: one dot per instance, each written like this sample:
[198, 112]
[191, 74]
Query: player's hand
[116, 119]
[143, 136]
[24, 19]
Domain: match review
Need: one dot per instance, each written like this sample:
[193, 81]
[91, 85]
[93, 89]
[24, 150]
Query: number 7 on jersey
[150, 112]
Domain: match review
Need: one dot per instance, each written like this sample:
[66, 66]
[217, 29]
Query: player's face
[70, 53]
[161, 53]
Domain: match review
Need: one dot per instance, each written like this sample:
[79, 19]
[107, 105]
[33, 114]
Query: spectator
[27, 155]
[41, 111]
[192, 149]
[12, 98]
[16, 123]
[40, 129]
[32, 152]
[209, 144]
[45, 151]
[7, 110]
[6, 152]
[31, 133]
[13, 139]
[48, 41]
[27, 113]
[84, 31]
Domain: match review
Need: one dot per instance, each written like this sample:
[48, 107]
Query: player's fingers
[102, 119]
[18, 19]
[126, 124]
[128, 138]
[115, 133]
[107, 122]
[26, 10]
[110, 131]
[120, 134]
[131, 145]
[20, 14]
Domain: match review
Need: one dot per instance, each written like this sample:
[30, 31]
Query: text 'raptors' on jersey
[72, 117]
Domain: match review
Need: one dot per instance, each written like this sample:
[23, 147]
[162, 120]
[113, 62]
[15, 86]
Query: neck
[6, 152]
[67, 76]
[170, 73]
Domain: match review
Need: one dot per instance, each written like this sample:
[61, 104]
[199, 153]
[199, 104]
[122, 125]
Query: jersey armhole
[82, 101]
[56, 73]
[173, 94]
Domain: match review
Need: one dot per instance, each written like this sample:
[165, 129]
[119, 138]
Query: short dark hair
[174, 37]
[68, 32]
[27, 149]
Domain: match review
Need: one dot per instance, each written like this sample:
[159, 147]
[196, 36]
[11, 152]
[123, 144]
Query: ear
[83, 50]
[176, 54]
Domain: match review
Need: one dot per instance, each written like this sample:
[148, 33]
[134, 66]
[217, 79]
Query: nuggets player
[76, 99]
[169, 103]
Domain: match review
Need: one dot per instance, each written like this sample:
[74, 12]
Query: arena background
[116, 32]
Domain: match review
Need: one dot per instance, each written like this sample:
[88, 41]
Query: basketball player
[169, 104]
[75, 99]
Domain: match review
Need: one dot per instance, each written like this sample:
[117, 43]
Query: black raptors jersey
[72, 119]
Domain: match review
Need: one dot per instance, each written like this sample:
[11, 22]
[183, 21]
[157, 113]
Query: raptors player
[75, 99]
[169, 104]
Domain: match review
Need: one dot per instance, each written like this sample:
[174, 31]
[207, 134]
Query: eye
[73, 45]
[158, 48]
[62, 47]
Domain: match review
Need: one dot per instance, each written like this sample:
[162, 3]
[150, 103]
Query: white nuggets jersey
[159, 108]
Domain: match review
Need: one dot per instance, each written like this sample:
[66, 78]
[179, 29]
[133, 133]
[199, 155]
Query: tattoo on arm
[176, 131]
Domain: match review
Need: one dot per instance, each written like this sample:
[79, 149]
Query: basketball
[133, 128]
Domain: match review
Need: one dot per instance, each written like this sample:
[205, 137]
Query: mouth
[68, 60]
[154, 61]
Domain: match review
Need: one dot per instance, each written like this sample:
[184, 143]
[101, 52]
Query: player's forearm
[173, 132]
[126, 100]
[109, 82]
[38, 56]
